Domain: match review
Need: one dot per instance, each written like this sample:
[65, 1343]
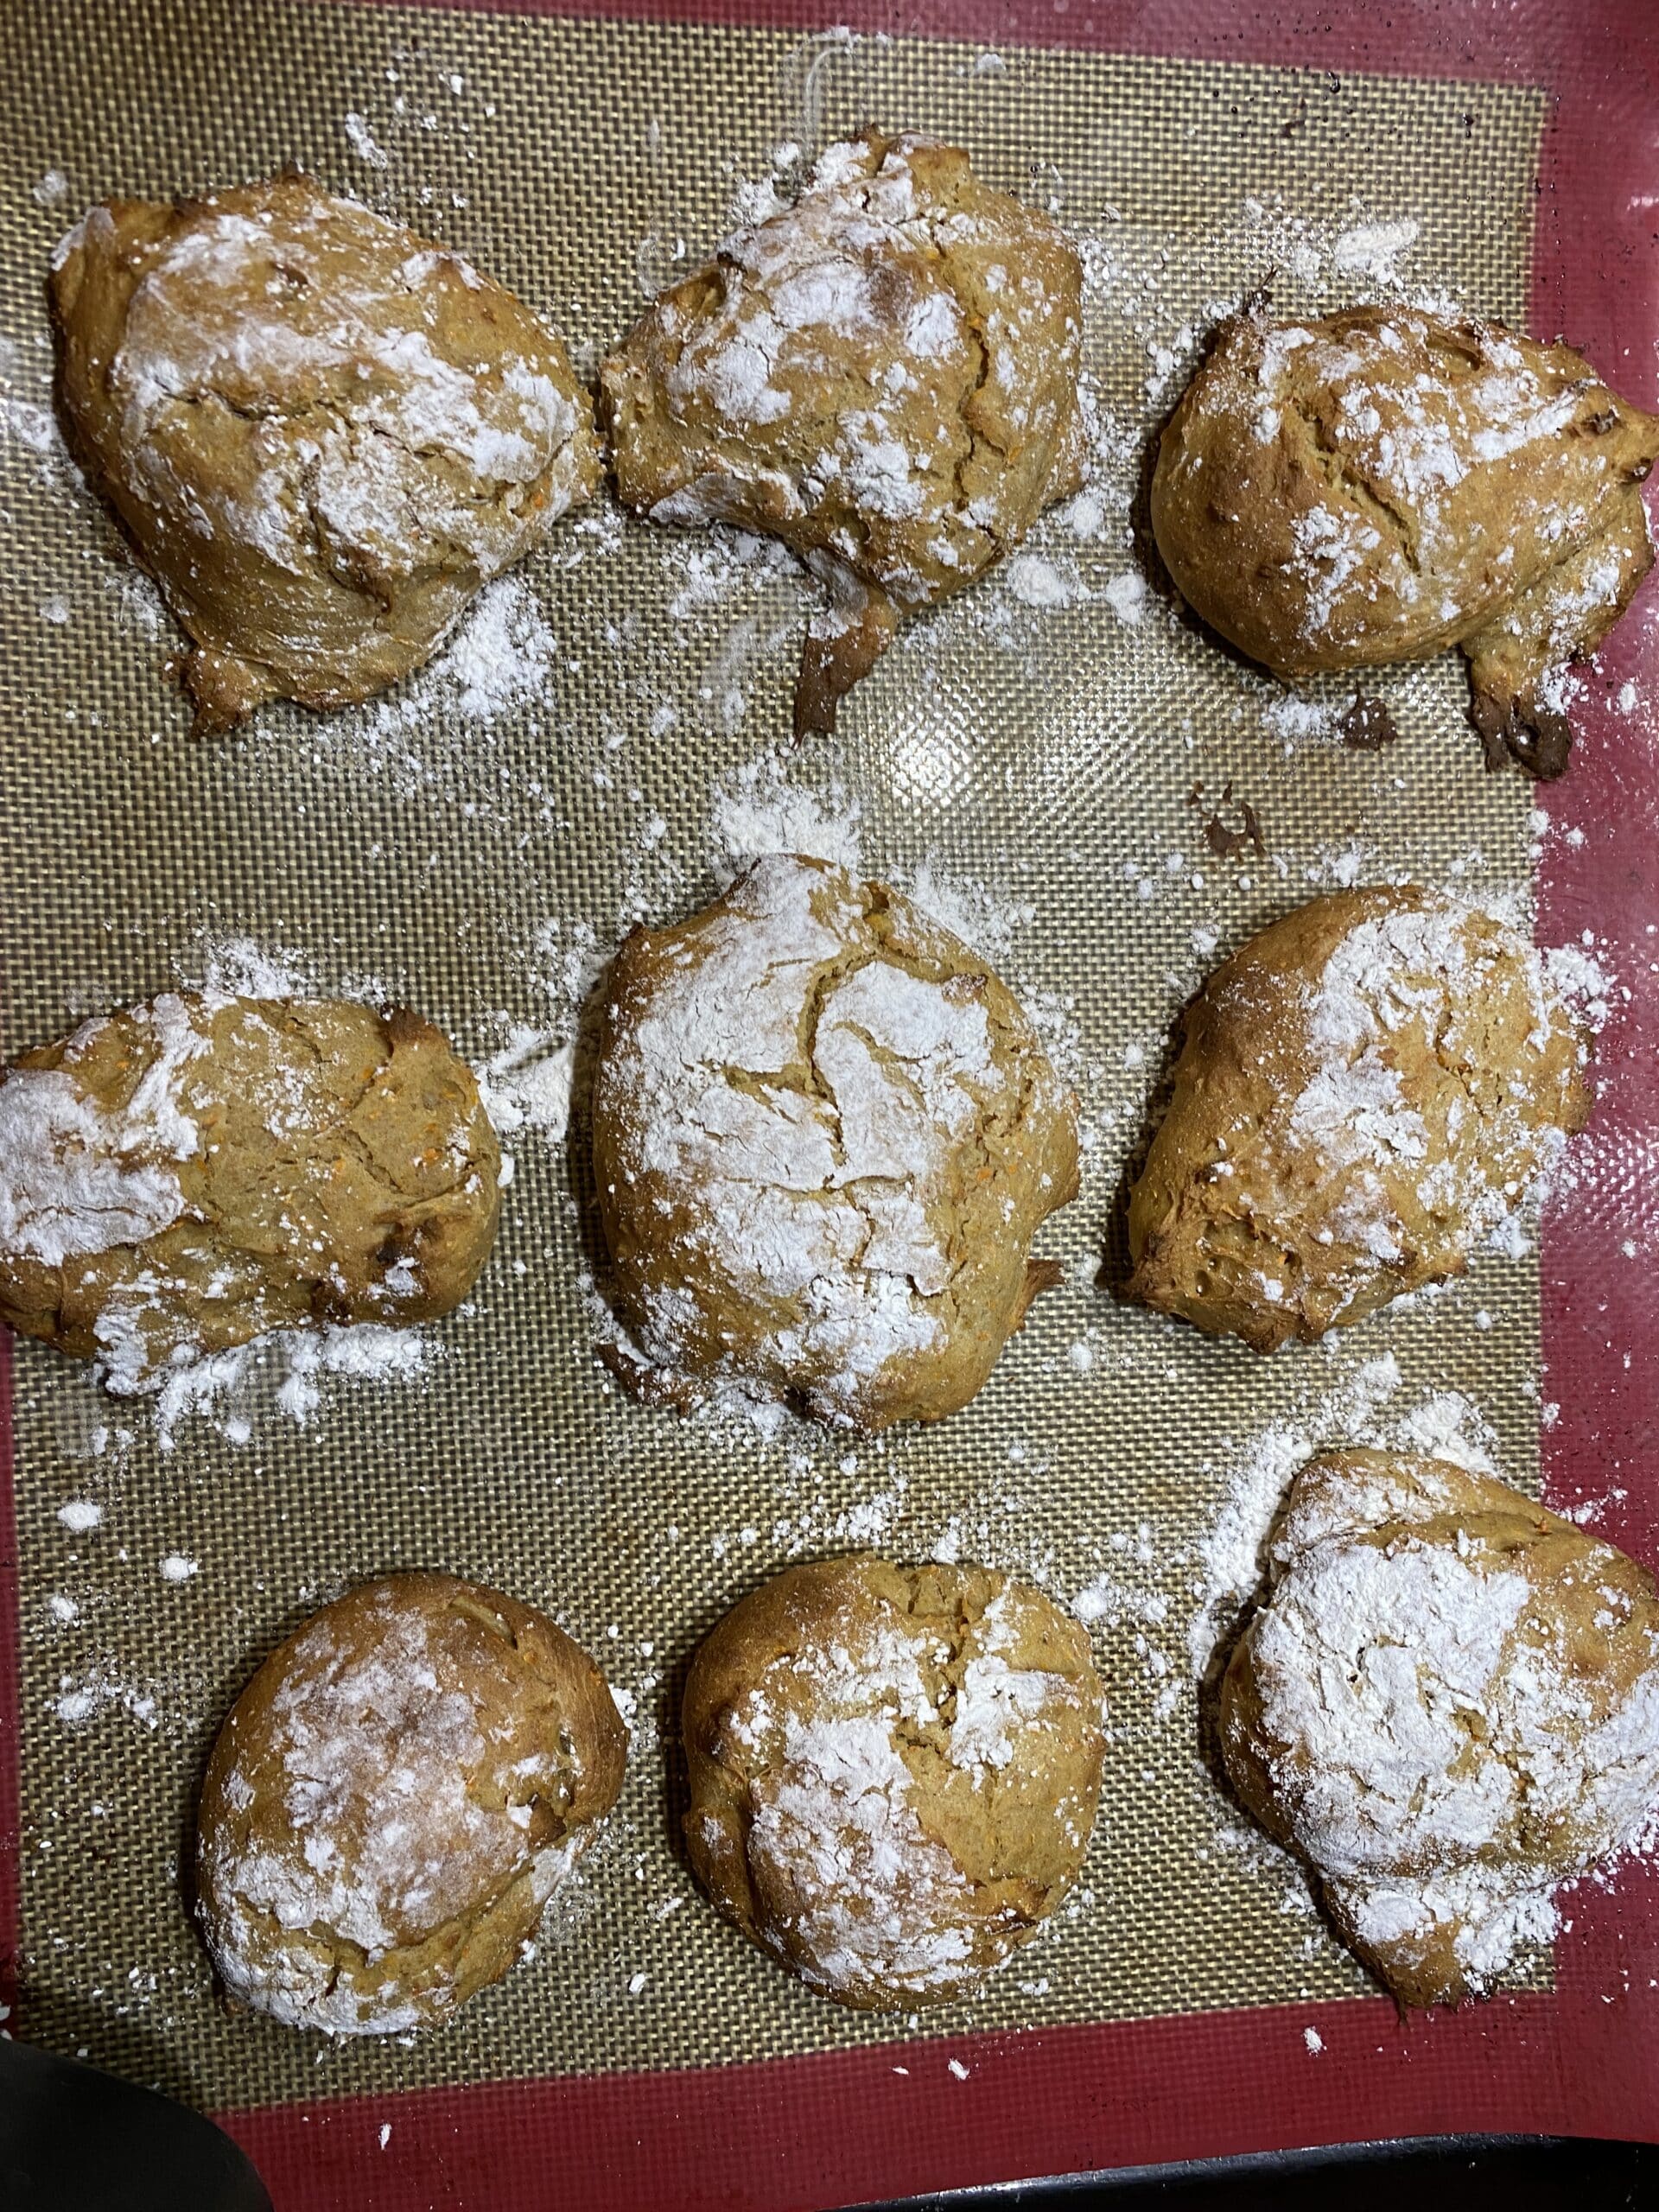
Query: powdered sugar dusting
[819, 1195]
[377, 1746]
[1368, 1662]
[835, 1823]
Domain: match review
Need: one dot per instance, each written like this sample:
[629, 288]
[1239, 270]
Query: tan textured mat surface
[1040, 740]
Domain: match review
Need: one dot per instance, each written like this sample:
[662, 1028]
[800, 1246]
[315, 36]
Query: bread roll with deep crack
[824, 1135]
[893, 1772]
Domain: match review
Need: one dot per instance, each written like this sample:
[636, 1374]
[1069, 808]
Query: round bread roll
[884, 376]
[823, 1136]
[321, 432]
[179, 1177]
[1384, 483]
[393, 1799]
[1365, 1092]
[893, 1772]
[1447, 1704]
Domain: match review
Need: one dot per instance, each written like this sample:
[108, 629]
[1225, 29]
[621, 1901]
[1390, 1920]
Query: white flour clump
[1045, 584]
[526, 1084]
[239, 967]
[757, 810]
[971, 910]
[283, 1372]
[1372, 248]
[497, 662]
[501, 654]
[81, 1698]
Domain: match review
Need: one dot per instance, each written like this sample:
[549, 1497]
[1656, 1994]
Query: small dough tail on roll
[1563, 617]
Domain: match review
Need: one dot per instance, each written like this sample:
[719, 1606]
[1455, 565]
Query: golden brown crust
[1383, 483]
[321, 431]
[392, 1800]
[893, 1772]
[1447, 1704]
[884, 376]
[182, 1176]
[824, 1137]
[1365, 1090]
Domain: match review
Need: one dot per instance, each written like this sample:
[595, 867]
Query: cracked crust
[321, 432]
[883, 376]
[181, 1176]
[893, 1772]
[1383, 484]
[1447, 1704]
[1365, 1090]
[825, 1134]
[392, 1800]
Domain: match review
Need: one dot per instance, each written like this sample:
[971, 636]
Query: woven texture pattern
[1052, 754]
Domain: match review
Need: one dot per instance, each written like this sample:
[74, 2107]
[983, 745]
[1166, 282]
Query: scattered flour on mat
[287, 1371]
[756, 810]
[1230, 1555]
[81, 1698]
[1035, 581]
[496, 663]
[361, 141]
[526, 1083]
[1372, 248]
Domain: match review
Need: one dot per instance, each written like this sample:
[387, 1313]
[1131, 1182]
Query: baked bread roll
[179, 1177]
[1447, 1703]
[825, 1134]
[893, 1772]
[884, 376]
[321, 432]
[393, 1799]
[1384, 483]
[1365, 1092]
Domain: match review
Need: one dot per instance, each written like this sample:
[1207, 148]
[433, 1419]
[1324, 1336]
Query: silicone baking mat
[1058, 760]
